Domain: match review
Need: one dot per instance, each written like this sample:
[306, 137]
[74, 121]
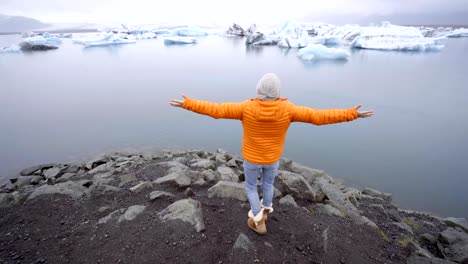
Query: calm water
[73, 102]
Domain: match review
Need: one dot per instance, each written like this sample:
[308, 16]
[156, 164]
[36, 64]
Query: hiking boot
[266, 210]
[257, 223]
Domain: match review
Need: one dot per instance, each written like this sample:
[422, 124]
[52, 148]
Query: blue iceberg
[105, 39]
[179, 40]
[320, 52]
[188, 32]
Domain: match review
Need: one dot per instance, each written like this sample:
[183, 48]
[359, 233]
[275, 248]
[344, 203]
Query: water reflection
[313, 64]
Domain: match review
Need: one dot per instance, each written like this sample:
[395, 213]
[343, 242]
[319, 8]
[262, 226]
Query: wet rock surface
[177, 207]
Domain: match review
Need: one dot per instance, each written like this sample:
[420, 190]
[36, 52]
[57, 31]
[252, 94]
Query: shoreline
[135, 189]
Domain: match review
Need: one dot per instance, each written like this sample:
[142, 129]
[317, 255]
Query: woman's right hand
[177, 103]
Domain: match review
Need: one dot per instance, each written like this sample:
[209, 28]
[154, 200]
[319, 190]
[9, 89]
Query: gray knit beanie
[268, 87]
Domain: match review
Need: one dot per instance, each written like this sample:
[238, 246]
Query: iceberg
[458, 33]
[236, 30]
[188, 32]
[291, 29]
[179, 40]
[401, 44]
[105, 39]
[320, 52]
[40, 43]
[10, 49]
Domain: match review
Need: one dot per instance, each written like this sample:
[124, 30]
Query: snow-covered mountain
[19, 23]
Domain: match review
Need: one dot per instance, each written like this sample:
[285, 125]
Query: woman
[265, 120]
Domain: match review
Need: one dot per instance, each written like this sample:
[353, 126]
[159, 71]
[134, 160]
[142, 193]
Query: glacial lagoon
[74, 103]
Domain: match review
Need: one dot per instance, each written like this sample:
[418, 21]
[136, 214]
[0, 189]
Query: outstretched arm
[215, 110]
[327, 116]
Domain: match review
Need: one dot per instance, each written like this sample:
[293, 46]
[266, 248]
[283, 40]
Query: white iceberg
[179, 40]
[105, 39]
[392, 43]
[458, 33]
[10, 49]
[40, 43]
[320, 52]
[291, 29]
[188, 32]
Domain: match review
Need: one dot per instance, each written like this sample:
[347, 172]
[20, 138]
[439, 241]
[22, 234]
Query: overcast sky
[218, 11]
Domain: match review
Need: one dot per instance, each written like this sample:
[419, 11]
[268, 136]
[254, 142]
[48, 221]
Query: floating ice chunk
[320, 52]
[458, 33]
[105, 39]
[396, 43]
[10, 49]
[188, 32]
[148, 35]
[40, 43]
[179, 40]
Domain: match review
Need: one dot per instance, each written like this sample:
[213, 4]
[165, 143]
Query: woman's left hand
[364, 114]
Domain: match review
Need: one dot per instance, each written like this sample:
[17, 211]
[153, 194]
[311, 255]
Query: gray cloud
[184, 11]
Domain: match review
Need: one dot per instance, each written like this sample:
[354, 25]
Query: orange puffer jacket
[265, 123]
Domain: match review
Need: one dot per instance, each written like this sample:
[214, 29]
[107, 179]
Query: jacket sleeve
[322, 117]
[215, 110]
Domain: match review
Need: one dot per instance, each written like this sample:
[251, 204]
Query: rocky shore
[191, 207]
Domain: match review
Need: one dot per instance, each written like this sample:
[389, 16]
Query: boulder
[243, 243]
[126, 178]
[96, 162]
[33, 169]
[309, 174]
[208, 176]
[227, 174]
[141, 187]
[220, 158]
[70, 188]
[187, 210]
[65, 177]
[132, 212]
[103, 178]
[375, 193]
[52, 172]
[111, 216]
[71, 169]
[296, 185]
[159, 194]
[288, 200]
[177, 178]
[102, 168]
[204, 164]
[455, 245]
[228, 189]
[339, 200]
[457, 222]
[329, 210]
[27, 180]
[173, 164]
[403, 227]
[7, 200]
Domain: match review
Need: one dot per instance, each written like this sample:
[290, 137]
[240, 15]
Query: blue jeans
[268, 172]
